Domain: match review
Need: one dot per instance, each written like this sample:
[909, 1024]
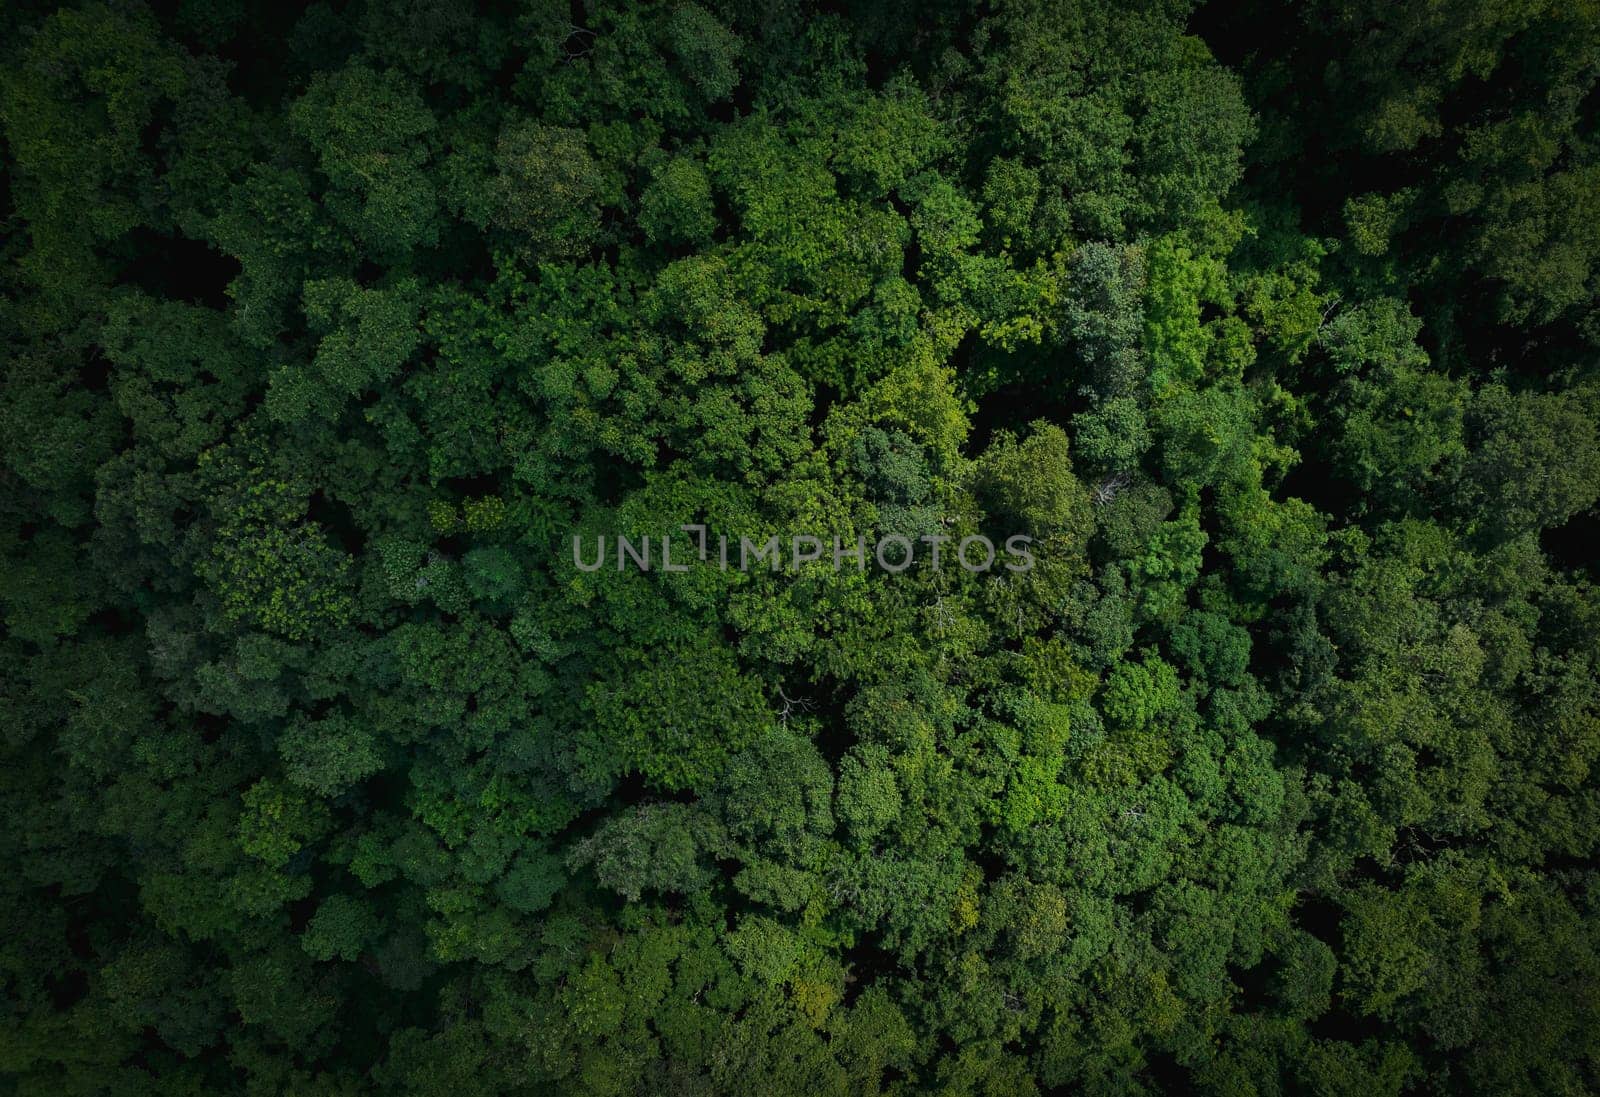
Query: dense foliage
[326, 771]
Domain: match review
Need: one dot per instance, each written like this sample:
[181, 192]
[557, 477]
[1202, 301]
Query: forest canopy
[1269, 326]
